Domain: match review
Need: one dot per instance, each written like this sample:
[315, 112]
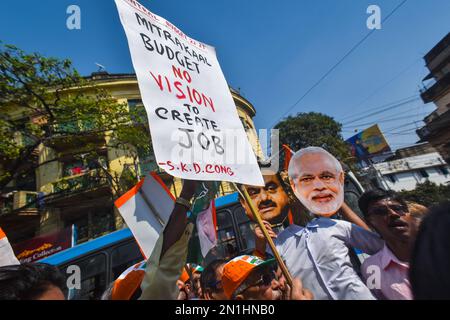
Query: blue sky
[272, 50]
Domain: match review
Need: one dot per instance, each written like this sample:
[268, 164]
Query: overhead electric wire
[405, 133]
[387, 120]
[389, 116]
[404, 125]
[338, 62]
[402, 132]
[386, 108]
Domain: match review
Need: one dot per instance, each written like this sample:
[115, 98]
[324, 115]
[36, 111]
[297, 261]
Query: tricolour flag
[146, 208]
[7, 256]
[206, 228]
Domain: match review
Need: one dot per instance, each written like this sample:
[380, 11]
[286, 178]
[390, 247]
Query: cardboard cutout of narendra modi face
[317, 179]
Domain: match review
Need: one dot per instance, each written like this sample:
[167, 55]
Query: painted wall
[405, 174]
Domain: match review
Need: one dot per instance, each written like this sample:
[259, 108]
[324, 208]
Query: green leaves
[428, 194]
[44, 101]
[314, 129]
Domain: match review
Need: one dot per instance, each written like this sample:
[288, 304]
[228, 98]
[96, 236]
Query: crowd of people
[403, 248]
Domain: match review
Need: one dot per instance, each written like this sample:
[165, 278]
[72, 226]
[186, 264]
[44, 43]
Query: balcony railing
[85, 181]
[72, 127]
[423, 133]
[73, 135]
[436, 89]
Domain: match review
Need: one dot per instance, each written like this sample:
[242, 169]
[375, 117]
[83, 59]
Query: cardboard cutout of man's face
[271, 200]
[318, 184]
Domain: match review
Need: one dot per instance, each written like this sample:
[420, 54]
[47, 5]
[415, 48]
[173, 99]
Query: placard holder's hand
[297, 292]
[178, 218]
[188, 190]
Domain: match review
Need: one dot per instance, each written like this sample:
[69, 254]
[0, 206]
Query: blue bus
[103, 259]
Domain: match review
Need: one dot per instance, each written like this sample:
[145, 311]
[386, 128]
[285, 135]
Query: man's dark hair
[430, 261]
[208, 280]
[372, 196]
[28, 281]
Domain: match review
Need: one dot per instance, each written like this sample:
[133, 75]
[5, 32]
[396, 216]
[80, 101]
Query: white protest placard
[195, 128]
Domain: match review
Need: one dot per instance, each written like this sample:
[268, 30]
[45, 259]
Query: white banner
[194, 124]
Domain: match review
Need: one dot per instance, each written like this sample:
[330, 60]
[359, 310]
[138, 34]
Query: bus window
[93, 277]
[124, 256]
[244, 224]
[226, 233]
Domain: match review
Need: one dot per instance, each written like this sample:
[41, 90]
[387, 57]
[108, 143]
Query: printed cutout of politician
[317, 179]
[276, 202]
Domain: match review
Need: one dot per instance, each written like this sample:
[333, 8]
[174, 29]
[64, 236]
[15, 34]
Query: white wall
[406, 172]
[409, 179]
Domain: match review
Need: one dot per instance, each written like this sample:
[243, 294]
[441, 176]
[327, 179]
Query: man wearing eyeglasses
[211, 280]
[251, 278]
[386, 272]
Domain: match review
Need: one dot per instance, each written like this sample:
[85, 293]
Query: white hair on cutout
[292, 170]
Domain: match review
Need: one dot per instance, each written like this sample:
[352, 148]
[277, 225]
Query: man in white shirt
[318, 253]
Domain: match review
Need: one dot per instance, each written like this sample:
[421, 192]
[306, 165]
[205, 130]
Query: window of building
[245, 124]
[443, 170]
[81, 228]
[424, 173]
[102, 222]
[137, 110]
[134, 102]
[391, 178]
[92, 224]
[27, 182]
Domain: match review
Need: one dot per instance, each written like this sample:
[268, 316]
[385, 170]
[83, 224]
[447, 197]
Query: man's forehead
[273, 178]
[314, 163]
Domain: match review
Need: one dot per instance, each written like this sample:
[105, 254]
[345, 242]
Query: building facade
[437, 90]
[404, 173]
[79, 189]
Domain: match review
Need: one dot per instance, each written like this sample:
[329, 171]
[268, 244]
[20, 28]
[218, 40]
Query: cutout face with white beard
[317, 179]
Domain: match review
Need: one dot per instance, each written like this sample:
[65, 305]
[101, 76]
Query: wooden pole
[258, 219]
